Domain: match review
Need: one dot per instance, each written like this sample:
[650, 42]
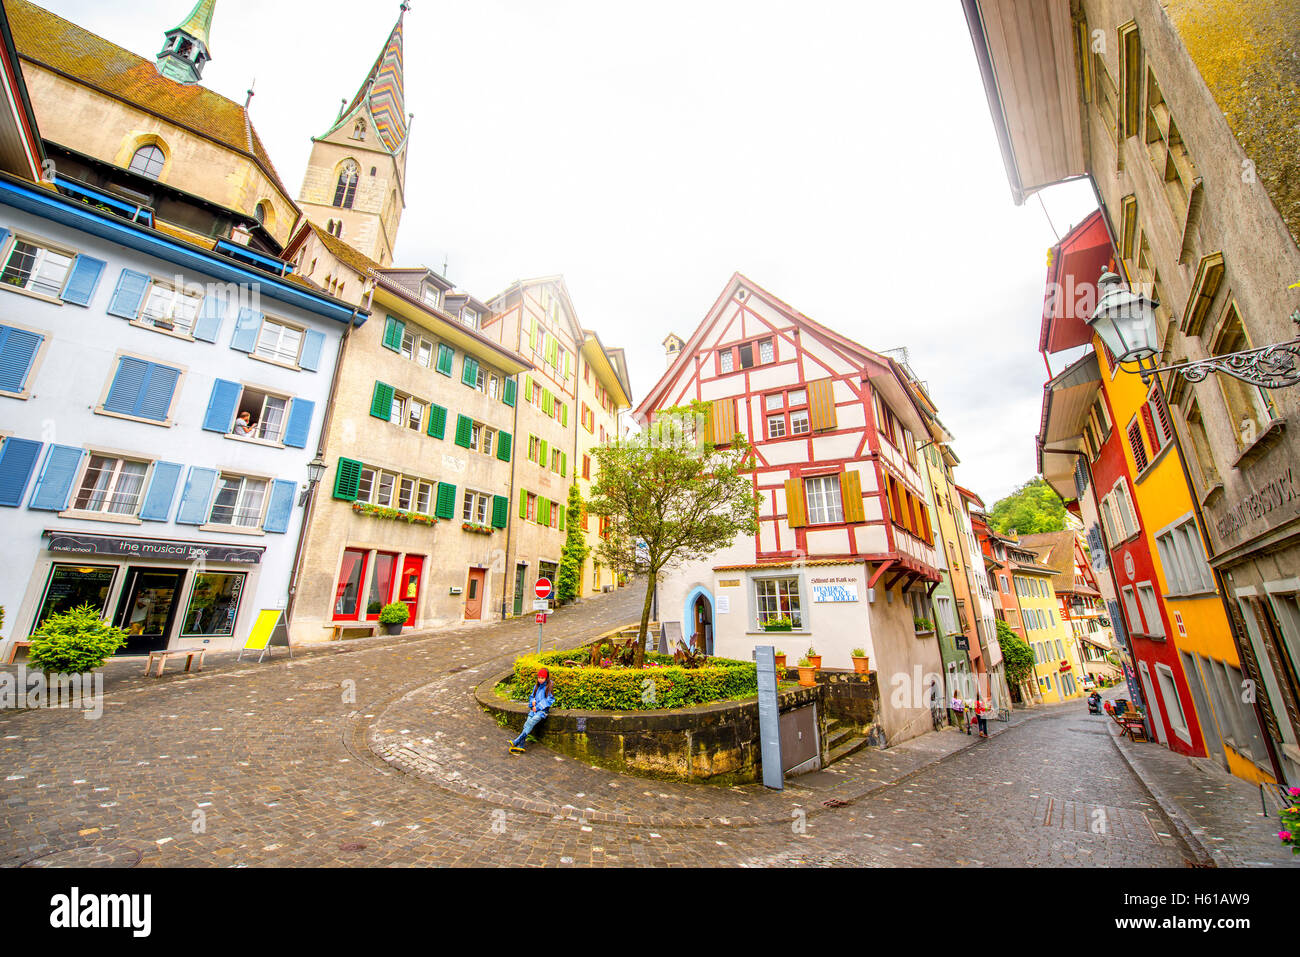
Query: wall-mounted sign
[1282, 490]
[1129, 570]
[152, 548]
[834, 593]
[724, 605]
[729, 583]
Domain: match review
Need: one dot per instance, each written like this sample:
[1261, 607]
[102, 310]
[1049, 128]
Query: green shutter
[509, 396]
[469, 372]
[562, 511]
[532, 333]
[544, 512]
[464, 431]
[564, 415]
[445, 355]
[543, 457]
[553, 352]
[437, 422]
[346, 479]
[446, 507]
[500, 511]
[523, 503]
[568, 366]
[548, 402]
[393, 330]
[564, 465]
[528, 388]
[381, 403]
[503, 446]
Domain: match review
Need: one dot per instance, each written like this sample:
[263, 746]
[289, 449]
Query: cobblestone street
[279, 765]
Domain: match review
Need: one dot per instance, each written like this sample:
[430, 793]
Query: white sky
[839, 154]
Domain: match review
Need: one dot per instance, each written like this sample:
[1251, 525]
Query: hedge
[585, 688]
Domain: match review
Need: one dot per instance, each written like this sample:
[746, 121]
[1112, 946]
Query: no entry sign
[543, 588]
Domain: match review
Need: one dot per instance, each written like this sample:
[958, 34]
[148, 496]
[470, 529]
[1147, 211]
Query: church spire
[383, 94]
[187, 48]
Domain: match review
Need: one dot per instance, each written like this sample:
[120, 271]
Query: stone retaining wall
[717, 743]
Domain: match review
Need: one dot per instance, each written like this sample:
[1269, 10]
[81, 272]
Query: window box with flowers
[476, 528]
[778, 623]
[393, 514]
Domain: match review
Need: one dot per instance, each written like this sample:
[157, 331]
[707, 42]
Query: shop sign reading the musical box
[79, 543]
[833, 589]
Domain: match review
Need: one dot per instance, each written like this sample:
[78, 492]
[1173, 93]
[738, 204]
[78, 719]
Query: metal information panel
[769, 717]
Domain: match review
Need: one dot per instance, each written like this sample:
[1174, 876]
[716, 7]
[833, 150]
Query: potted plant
[780, 658]
[392, 617]
[861, 663]
[778, 623]
[1290, 832]
[74, 642]
[807, 673]
[814, 659]
[922, 626]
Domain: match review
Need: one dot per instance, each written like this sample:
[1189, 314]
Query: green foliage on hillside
[1032, 508]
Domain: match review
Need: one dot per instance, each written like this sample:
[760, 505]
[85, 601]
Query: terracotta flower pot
[814, 661]
[862, 665]
[780, 661]
[807, 677]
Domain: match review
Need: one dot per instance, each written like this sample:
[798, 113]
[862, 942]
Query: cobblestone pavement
[280, 764]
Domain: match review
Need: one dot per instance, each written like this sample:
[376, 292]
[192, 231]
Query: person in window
[539, 703]
[244, 424]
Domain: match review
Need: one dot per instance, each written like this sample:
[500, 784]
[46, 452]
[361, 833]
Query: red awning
[1071, 292]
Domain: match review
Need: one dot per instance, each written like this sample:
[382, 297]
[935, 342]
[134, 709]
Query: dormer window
[359, 131]
[148, 161]
[432, 295]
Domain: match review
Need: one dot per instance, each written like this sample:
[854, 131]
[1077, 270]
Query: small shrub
[859, 653]
[811, 652]
[74, 642]
[623, 689]
[395, 614]
[804, 662]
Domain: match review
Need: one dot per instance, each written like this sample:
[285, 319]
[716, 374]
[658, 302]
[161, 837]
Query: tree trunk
[639, 660]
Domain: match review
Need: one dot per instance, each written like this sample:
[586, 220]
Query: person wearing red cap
[539, 703]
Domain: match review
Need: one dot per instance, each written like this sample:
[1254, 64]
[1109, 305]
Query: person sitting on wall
[539, 703]
[244, 424]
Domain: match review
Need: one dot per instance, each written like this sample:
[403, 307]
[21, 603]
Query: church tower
[355, 185]
[186, 51]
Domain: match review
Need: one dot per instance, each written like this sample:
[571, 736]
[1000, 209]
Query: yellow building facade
[1058, 671]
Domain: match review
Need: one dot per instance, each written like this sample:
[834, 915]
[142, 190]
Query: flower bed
[393, 514]
[1290, 833]
[661, 684]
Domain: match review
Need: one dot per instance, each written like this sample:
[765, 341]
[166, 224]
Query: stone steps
[842, 740]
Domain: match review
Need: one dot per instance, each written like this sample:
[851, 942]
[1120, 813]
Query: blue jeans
[533, 721]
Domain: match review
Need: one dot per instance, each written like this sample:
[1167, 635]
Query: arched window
[346, 191]
[359, 131]
[148, 161]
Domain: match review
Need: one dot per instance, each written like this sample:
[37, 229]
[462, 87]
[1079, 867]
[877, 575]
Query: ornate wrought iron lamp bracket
[1269, 367]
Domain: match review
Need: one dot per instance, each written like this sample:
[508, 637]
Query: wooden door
[474, 594]
[408, 587]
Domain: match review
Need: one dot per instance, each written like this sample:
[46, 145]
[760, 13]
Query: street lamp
[1126, 323]
[315, 472]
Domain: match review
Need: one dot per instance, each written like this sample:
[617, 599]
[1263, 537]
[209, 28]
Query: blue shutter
[247, 326]
[4, 237]
[221, 407]
[298, 429]
[312, 343]
[162, 489]
[17, 459]
[124, 393]
[280, 510]
[83, 281]
[129, 294]
[196, 497]
[156, 398]
[54, 487]
[211, 315]
[17, 350]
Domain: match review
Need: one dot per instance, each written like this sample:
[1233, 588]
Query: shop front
[164, 593]
[369, 578]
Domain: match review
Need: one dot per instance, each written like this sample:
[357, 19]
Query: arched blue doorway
[697, 616]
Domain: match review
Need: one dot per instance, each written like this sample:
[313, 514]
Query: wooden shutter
[821, 405]
[381, 402]
[504, 442]
[723, 420]
[523, 503]
[437, 428]
[279, 508]
[83, 280]
[394, 329]
[508, 397]
[445, 356]
[851, 497]
[157, 503]
[346, 479]
[312, 344]
[1135, 444]
[221, 406]
[796, 516]
[464, 431]
[469, 372]
[446, 504]
[54, 486]
[298, 427]
[17, 461]
[128, 297]
[17, 350]
[500, 511]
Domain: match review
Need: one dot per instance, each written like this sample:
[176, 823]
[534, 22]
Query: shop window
[777, 598]
[71, 586]
[172, 310]
[239, 502]
[382, 572]
[261, 415]
[111, 485]
[1250, 407]
[36, 268]
[348, 593]
[214, 605]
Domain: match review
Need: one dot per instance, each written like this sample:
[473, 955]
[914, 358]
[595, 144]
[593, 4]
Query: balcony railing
[105, 202]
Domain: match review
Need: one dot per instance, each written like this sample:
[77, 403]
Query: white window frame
[276, 352]
[241, 503]
[1169, 689]
[825, 506]
[44, 250]
[111, 486]
[168, 322]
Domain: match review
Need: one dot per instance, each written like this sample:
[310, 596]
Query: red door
[474, 594]
[409, 585]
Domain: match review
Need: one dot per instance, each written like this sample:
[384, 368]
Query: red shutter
[1135, 443]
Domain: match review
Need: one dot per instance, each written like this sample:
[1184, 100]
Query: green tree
[569, 580]
[1017, 656]
[1033, 507]
[671, 496]
[74, 642]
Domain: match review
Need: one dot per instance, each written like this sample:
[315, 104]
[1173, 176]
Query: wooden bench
[15, 646]
[336, 630]
[189, 654]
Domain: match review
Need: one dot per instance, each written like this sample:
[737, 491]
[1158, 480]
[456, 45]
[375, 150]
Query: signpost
[769, 718]
[543, 591]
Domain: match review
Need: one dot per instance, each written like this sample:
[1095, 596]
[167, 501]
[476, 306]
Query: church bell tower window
[346, 191]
